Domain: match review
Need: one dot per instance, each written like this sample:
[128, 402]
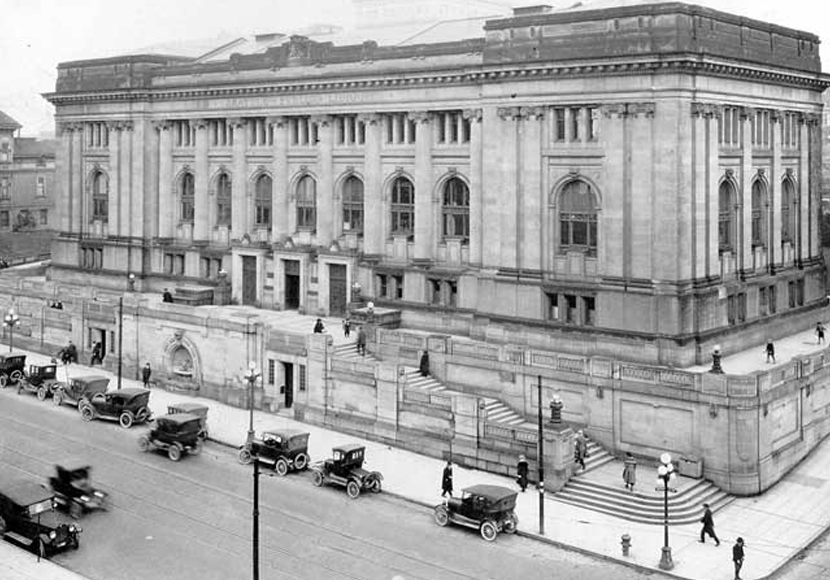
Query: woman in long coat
[630, 471]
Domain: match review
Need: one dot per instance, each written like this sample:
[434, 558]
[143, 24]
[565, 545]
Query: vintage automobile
[127, 406]
[27, 517]
[11, 368]
[487, 508]
[79, 390]
[39, 379]
[285, 449]
[345, 468]
[177, 433]
[73, 491]
[197, 409]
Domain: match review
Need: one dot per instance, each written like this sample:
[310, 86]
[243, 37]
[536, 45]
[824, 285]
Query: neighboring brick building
[27, 179]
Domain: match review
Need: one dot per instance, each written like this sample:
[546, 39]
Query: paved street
[192, 519]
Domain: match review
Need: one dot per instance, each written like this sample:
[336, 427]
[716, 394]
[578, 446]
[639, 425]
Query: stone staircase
[349, 351]
[597, 457]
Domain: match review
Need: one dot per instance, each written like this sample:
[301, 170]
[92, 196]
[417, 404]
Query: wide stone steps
[597, 457]
[349, 351]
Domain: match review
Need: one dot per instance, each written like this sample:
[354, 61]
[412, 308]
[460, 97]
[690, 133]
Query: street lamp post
[665, 475]
[251, 375]
[11, 319]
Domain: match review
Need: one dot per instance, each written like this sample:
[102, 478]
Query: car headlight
[84, 498]
[71, 528]
[98, 494]
[53, 535]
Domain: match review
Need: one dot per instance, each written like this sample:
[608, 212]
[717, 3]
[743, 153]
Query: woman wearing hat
[522, 470]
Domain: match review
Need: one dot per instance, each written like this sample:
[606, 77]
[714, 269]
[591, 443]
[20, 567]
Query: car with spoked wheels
[490, 509]
[40, 380]
[176, 433]
[197, 409]
[28, 518]
[78, 390]
[345, 468]
[73, 490]
[285, 449]
[12, 365]
[127, 406]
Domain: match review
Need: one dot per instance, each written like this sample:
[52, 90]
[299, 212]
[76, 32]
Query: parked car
[127, 406]
[487, 508]
[73, 490]
[197, 409]
[285, 449]
[27, 517]
[345, 468]
[177, 433]
[39, 379]
[11, 368]
[79, 390]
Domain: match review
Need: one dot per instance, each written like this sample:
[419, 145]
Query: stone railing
[502, 432]
[353, 367]
[421, 397]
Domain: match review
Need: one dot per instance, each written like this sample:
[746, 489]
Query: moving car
[127, 406]
[177, 433]
[284, 449]
[73, 491]
[78, 390]
[11, 368]
[197, 409]
[345, 468]
[39, 379]
[487, 508]
[27, 517]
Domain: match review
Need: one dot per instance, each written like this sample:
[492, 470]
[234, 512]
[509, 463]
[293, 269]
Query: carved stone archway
[182, 362]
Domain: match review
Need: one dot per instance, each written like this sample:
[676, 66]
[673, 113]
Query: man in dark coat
[738, 557]
[446, 480]
[146, 372]
[522, 471]
[318, 326]
[166, 296]
[708, 526]
[424, 364]
[361, 342]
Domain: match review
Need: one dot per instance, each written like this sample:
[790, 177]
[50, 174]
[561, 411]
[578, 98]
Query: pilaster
[77, 211]
[279, 168]
[713, 202]
[424, 210]
[125, 175]
[239, 181]
[374, 231]
[201, 199]
[744, 241]
[476, 185]
[612, 217]
[63, 171]
[165, 184]
[700, 152]
[491, 186]
[328, 222]
[510, 130]
[530, 195]
[643, 212]
[775, 254]
[806, 210]
[114, 199]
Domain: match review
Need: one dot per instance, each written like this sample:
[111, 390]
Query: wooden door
[338, 293]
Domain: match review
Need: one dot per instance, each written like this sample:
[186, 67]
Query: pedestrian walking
[319, 328]
[446, 480]
[166, 296]
[820, 332]
[146, 372]
[361, 342]
[770, 350]
[708, 526]
[97, 357]
[347, 327]
[629, 471]
[522, 472]
[580, 448]
[738, 557]
[423, 366]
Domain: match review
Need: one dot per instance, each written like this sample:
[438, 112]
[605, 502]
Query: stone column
[328, 223]
[642, 223]
[424, 207]
[239, 181]
[63, 171]
[775, 255]
[744, 242]
[699, 191]
[279, 169]
[374, 230]
[808, 230]
[530, 210]
[713, 268]
[77, 211]
[201, 228]
[114, 199]
[125, 180]
[476, 185]
[492, 186]
[166, 210]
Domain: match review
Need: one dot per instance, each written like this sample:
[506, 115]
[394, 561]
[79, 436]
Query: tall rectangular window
[271, 370]
[559, 124]
[302, 380]
[570, 308]
[553, 306]
[398, 287]
[791, 293]
[44, 217]
[772, 299]
[41, 186]
[383, 287]
[589, 310]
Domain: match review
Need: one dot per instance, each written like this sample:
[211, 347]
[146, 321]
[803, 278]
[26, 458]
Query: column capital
[472, 114]
[322, 120]
[419, 116]
[618, 110]
[199, 123]
[637, 109]
[747, 112]
[369, 118]
[707, 110]
[162, 124]
[277, 120]
[69, 127]
[236, 122]
[509, 113]
[531, 113]
[120, 125]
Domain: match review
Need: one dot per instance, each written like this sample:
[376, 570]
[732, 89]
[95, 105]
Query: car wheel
[126, 419]
[16, 376]
[353, 489]
[57, 398]
[197, 448]
[41, 393]
[317, 478]
[87, 414]
[281, 467]
[488, 530]
[203, 434]
[511, 524]
[375, 486]
[301, 462]
[4, 380]
[441, 515]
[75, 510]
[244, 456]
[141, 416]
[144, 443]
[174, 452]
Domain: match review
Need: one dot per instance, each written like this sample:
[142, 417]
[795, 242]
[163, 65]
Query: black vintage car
[39, 379]
[197, 409]
[11, 368]
[74, 492]
[284, 449]
[345, 468]
[177, 433]
[27, 517]
[487, 508]
[127, 406]
[79, 390]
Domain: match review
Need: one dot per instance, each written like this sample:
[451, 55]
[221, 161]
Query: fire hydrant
[626, 544]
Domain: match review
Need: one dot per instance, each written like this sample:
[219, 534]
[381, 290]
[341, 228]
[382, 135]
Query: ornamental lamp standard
[251, 375]
[11, 319]
[131, 282]
[716, 356]
[665, 475]
[356, 289]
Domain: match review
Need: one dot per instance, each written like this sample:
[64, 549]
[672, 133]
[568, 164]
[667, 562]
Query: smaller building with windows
[27, 179]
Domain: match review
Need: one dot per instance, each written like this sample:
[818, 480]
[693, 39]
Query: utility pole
[255, 534]
[541, 459]
[120, 335]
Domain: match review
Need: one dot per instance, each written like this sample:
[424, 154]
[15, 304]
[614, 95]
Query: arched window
[187, 195]
[100, 196]
[456, 209]
[307, 203]
[726, 217]
[759, 206]
[403, 207]
[353, 205]
[789, 210]
[223, 200]
[577, 218]
[262, 193]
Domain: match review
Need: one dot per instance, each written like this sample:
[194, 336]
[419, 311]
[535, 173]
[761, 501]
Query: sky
[39, 34]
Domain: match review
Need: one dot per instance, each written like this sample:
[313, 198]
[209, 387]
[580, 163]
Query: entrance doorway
[292, 284]
[337, 289]
[98, 335]
[288, 384]
[249, 280]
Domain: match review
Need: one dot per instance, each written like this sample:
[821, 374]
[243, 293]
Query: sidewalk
[775, 526]
[18, 564]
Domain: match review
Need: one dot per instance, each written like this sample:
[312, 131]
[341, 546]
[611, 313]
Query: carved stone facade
[672, 206]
